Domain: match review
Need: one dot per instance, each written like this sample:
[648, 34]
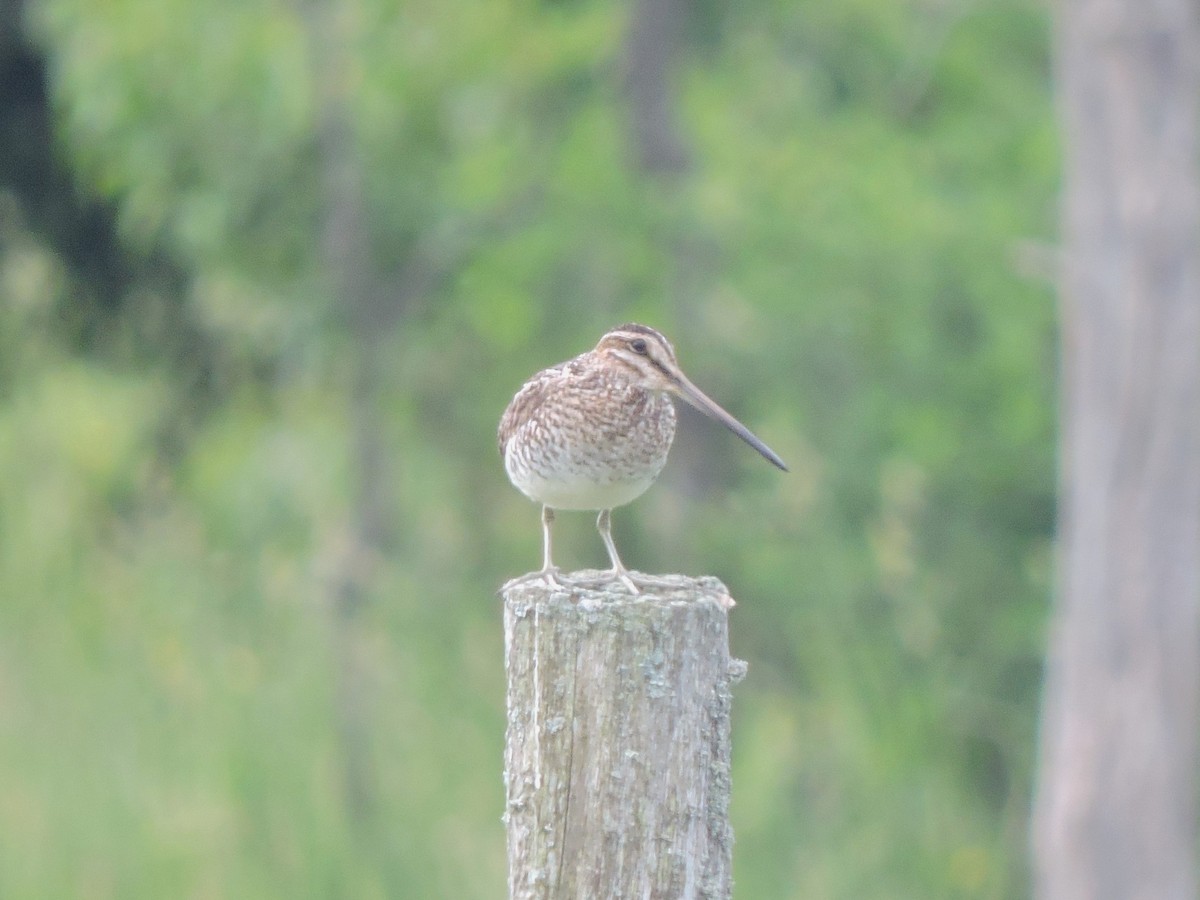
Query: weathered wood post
[617, 756]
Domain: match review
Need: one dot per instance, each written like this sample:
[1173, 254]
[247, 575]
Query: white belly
[577, 491]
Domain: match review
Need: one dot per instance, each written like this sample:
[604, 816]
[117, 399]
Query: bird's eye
[638, 345]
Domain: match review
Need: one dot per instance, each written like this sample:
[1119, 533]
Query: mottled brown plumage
[594, 432]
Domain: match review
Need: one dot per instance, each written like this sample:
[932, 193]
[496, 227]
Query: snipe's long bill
[701, 401]
[594, 432]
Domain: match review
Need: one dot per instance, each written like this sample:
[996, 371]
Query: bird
[593, 433]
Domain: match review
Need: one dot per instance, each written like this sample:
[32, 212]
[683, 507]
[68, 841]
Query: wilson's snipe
[593, 433]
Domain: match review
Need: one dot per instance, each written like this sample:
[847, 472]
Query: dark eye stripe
[662, 368]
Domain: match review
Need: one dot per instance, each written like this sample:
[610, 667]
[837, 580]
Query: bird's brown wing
[524, 405]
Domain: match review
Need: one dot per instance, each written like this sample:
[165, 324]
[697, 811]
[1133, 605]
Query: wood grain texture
[617, 759]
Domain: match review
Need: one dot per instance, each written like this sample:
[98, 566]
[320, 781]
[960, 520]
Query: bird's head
[649, 360]
[643, 355]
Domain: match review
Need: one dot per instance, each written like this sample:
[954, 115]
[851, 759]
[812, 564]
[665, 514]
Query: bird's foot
[623, 575]
[551, 579]
[548, 577]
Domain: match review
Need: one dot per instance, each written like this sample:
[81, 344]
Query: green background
[251, 534]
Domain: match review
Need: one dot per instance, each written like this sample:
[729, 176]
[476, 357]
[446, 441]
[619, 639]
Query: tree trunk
[1115, 814]
[360, 298]
[618, 758]
[655, 29]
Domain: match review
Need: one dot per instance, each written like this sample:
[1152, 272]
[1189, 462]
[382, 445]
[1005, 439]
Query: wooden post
[617, 757]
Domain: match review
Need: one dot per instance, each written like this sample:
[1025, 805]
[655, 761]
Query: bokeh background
[269, 273]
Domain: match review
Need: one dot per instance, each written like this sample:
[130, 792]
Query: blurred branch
[654, 33]
[357, 292]
[912, 85]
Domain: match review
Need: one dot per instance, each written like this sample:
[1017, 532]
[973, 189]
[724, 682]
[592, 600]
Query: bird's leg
[548, 569]
[604, 524]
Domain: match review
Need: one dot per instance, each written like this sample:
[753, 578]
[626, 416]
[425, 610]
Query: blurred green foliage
[841, 266]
